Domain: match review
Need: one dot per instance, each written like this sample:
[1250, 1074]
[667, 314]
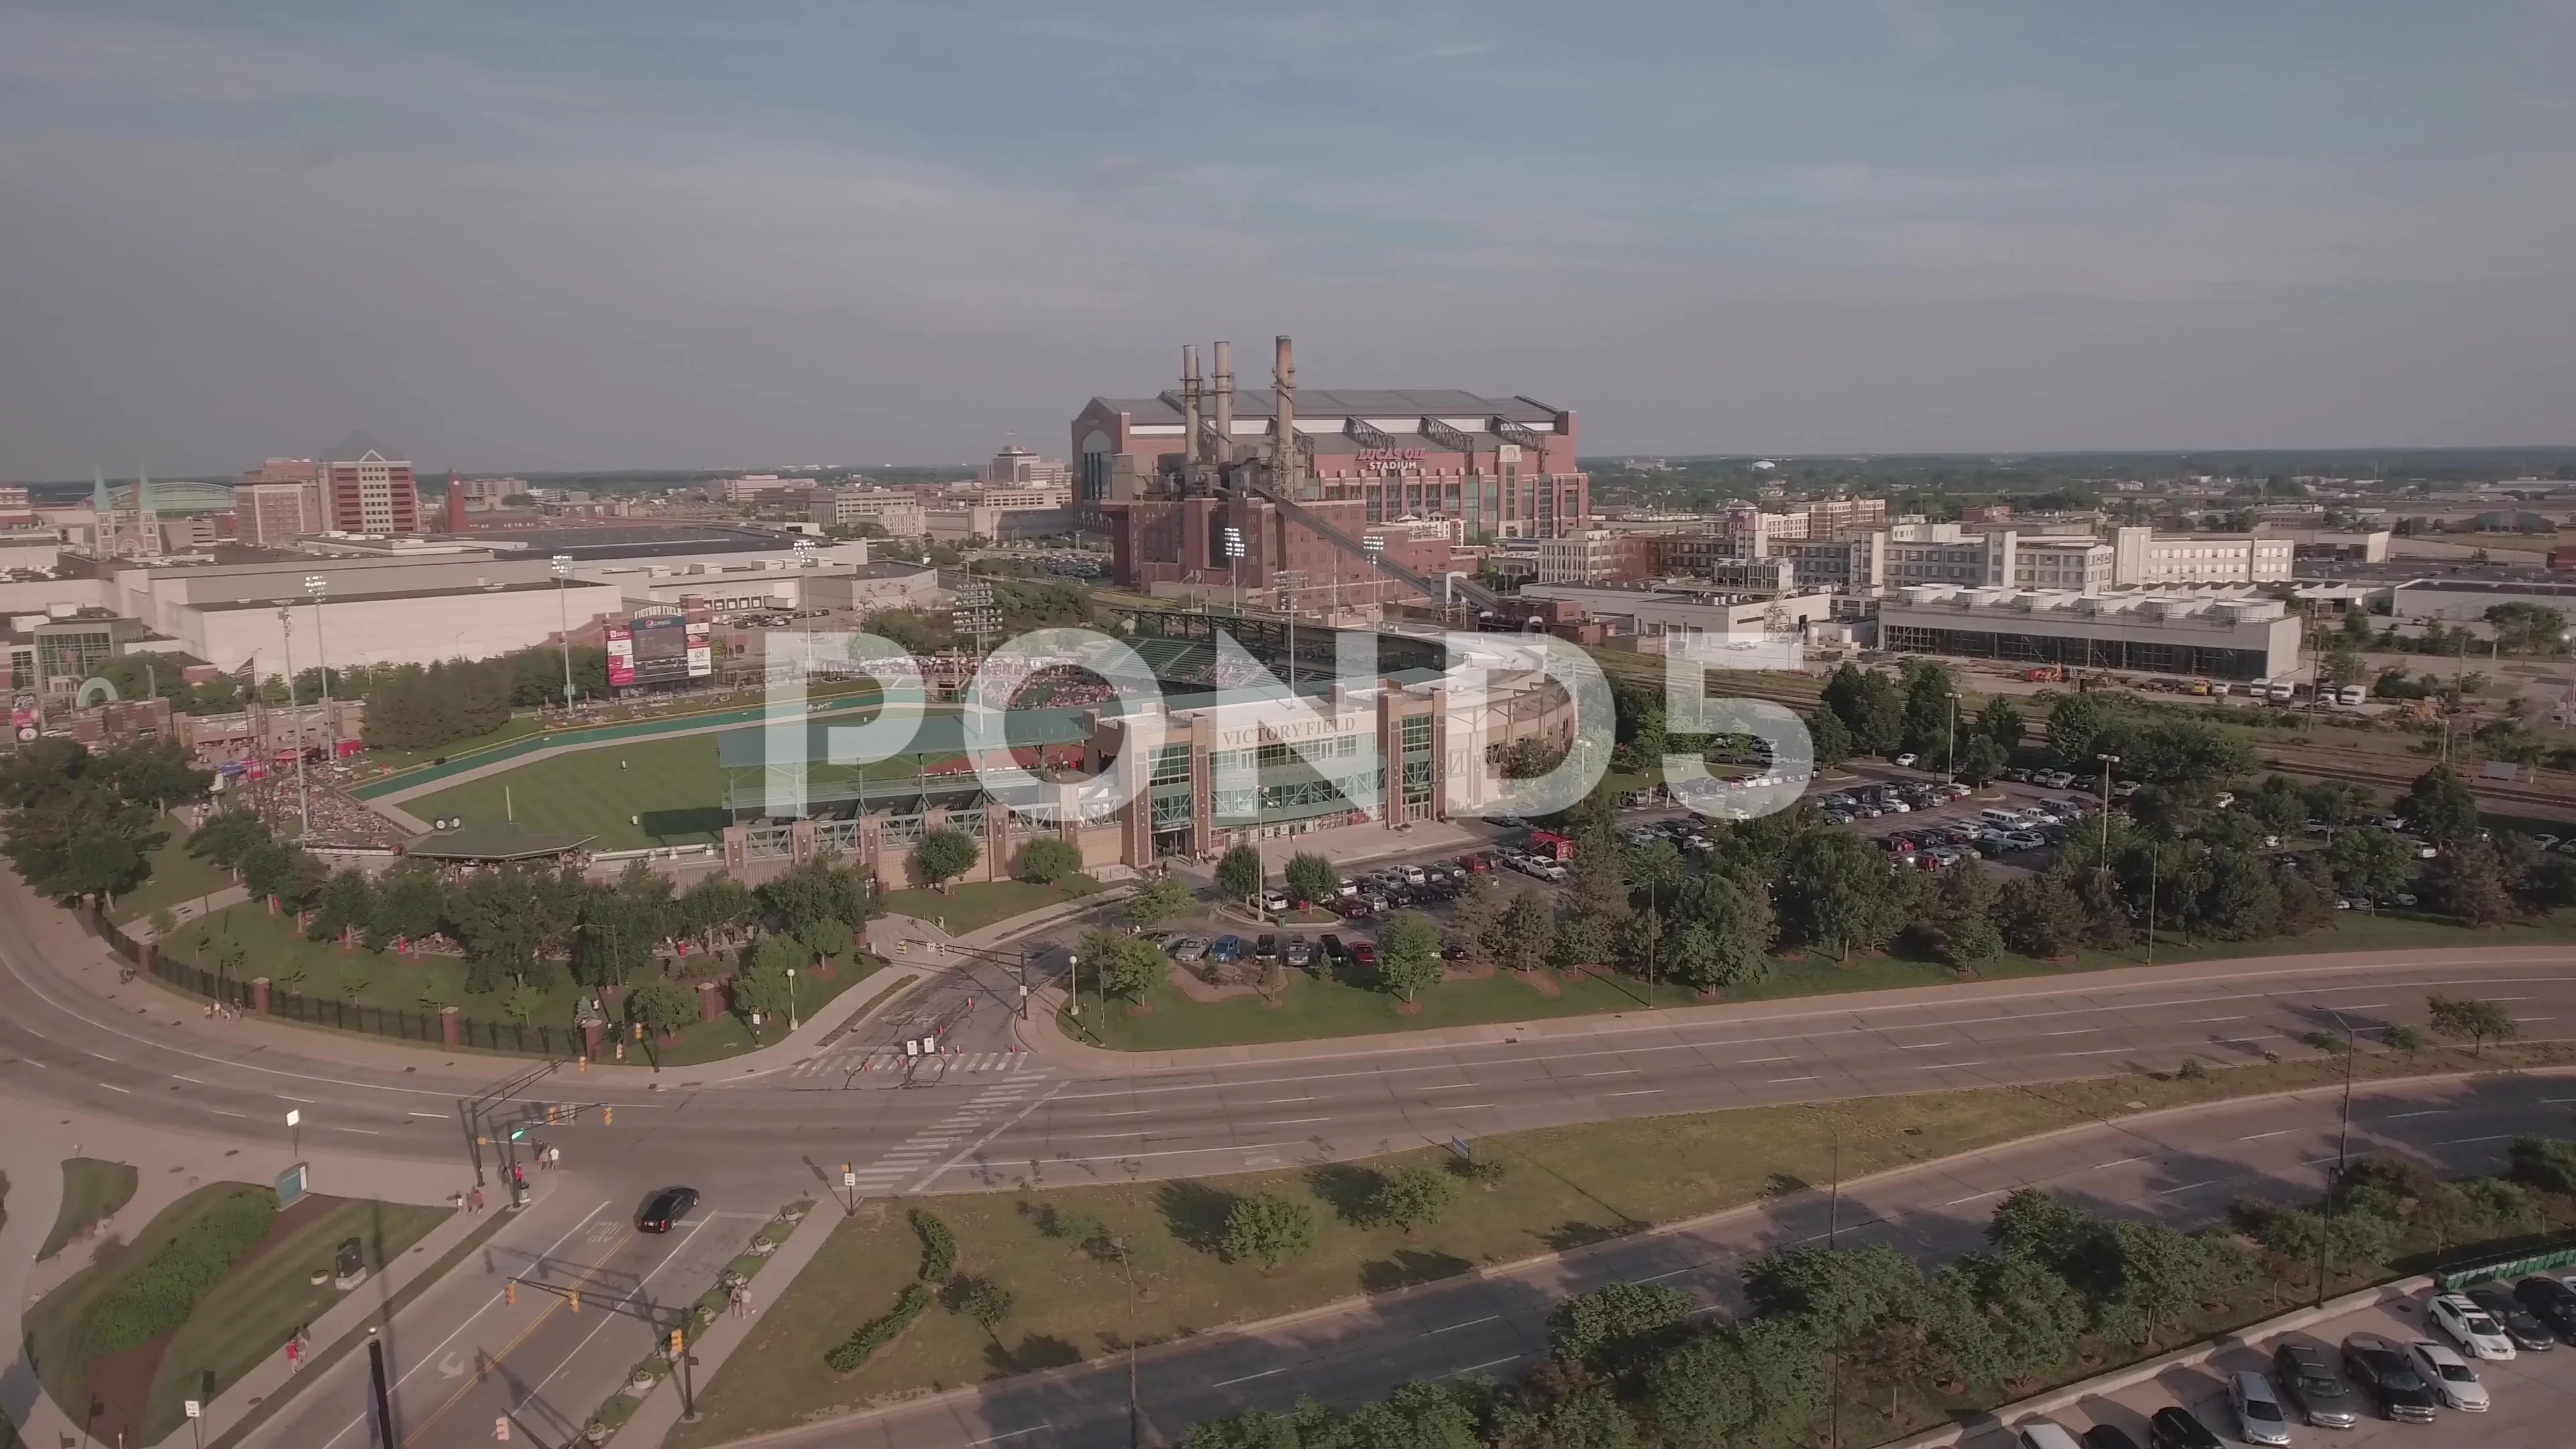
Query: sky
[644, 234]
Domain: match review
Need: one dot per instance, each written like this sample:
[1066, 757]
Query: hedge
[938, 1247]
[160, 1296]
[856, 1349]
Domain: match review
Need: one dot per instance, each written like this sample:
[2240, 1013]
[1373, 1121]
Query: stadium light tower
[1234, 564]
[303, 793]
[315, 586]
[562, 565]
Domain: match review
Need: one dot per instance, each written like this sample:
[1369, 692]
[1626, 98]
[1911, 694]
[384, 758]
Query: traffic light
[678, 1346]
[510, 1293]
[519, 1134]
[607, 1116]
[572, 1298]
[501, 1429]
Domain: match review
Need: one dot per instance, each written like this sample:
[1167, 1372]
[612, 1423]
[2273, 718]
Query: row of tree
[2056, 1286]
[83, 823]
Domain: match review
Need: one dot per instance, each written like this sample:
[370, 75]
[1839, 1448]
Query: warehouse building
[2222, 636]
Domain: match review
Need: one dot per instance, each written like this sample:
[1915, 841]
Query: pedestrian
[554, 1157]
[477, 1200]
[518, 1175]
[294, 1353]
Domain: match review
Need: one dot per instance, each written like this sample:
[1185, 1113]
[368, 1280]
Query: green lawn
[176, 876]
[1562, 1187]
[1335, 1008]
[981, 903]
[250, 1314]
[672, 786]
[92, 1192]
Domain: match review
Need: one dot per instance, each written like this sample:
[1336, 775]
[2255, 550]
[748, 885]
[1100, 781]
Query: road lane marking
[1470, 1323]
[1097, 1136]
[2072, 1031]
[1976, 1197]
[2351, 1006]
[491, 1362]
[432, 1356]
[1247, 1378]
[361, 1131]
[1921, 1046]
[1639, 1092]
[1613, 1072]
[2096, 1052]
[1464, 1086]
[1292, 1122]
[610, 1317]
[1780, 1081]
[1947, 1066]
[2205, 1020]
[2119, 1162]
[113, 1087]
[307, 1101]
[998, 1438]
[2427, 1112]
[2275, 1132]
[191, 1081]
[1757, 1061]
[220, 1112]
[102, 1056]
[433, 1116]
[1280, 1101]
[1489, 1363]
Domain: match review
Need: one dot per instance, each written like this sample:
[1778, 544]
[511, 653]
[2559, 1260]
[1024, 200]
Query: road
[2180, 1168]
[755, 1140]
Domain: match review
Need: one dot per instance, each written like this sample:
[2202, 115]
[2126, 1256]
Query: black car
[1332, 947]
[2550, 1301]
[2528, 1333]
[664, 1208]
[2305, 1372]
[1266, 949]
[2104, 1436]
[2380, 1369]
[2173, 1427]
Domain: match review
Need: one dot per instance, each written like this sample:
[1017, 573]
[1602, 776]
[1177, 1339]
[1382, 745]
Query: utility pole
[2343, 1150]
[316, 586]
[2107, 762]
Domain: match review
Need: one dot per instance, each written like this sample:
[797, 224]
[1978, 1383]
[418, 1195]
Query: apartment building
[899, 514]
[2142, 558]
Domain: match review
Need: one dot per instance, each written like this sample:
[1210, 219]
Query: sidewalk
[1049, 1042]
[661, 1408]
[32, 1156]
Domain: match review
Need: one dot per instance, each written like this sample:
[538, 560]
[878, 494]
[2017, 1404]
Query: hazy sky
[642, 233]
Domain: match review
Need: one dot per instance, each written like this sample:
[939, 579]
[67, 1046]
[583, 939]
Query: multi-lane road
[752, 1139]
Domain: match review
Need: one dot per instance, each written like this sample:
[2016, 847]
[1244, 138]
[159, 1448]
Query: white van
[2000, 819]
[2351, 694]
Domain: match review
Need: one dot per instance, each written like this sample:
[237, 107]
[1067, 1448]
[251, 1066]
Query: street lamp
[2107, 762]
[1951, 759]
[1233, 542]
[561, 564]
[1073, 967]
[1373, 545]
[303, 792]
[791, 998]
[316, 586]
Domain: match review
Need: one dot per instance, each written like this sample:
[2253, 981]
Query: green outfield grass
[671, 786]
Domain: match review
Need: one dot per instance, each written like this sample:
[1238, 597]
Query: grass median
[1315, 1009]
[1561, 1188]
[92, 1192]
[978, 904]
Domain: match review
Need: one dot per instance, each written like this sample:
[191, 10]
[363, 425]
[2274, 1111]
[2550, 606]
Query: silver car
[2258, 1409]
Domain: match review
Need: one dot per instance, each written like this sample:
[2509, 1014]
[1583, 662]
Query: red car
[1363, 953]
[1477, 864]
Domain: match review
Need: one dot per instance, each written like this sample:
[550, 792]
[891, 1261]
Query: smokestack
[1283, 387]
[1196, 449]
[1224, 403]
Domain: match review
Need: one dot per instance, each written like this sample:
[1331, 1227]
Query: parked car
[2106, 1436]
[2306, 1375]
[2381, 1370]
[2258, 1409]
[1333, 948]
[2528, 1333]
[1227, 948]
[2450, 1376]
[2042, 1434]
[1188, 949]
[1364, 953]
[2175, 1427]
[1297, 952]
[1274, 900]
[667, 1206]
[2550, 1301]
[1905, 761]
[2468, 1327]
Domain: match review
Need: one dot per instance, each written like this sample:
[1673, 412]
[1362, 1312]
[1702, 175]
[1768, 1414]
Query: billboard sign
[658, 649]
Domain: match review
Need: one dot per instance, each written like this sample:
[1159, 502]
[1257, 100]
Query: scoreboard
[658, 649]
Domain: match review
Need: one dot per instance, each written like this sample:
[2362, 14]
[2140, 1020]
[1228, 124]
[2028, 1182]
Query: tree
[1580, 942]
[2038, 1317]
[2467, 1019]
[820, 887]
[2073, 723]
[1840, 1292]
[1836, 892]
[1132, 967]
[1476, 925]
[1869, 707]
[1727, 941]
[2371, 864]
[1238, 873]
[100, 861]
[1044, 861]
[1971, 943]
[1408, 954]
[2039, 916]
[943, 855]
[984, 1301]
[1311, 877]
[826, 938]
[660, 1007]
[1829, 738]
[1606, 1328]
[717, 903]
[1980, 759]
[227, 836]
[762, 993]
[1269, 1228]
[2439, 807]
[1757, 1381]
[152, 772]
[1156, 899]
[2545, 1163]
[1528, 932]
[1415, 1196]
[2001, 722]
[2161, 1274]
[2466, 881]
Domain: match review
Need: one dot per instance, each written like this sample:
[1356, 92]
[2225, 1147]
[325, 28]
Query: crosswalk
[881, 1059]
[919, 1158]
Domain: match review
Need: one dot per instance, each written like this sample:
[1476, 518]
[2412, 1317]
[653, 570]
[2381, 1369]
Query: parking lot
[2533, 1394]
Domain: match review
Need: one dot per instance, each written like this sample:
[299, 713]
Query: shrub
[938, 1247]
[1269, 1228]
[875, 1334]
[1044, 862]
[1415, 1196]
[161, 1296]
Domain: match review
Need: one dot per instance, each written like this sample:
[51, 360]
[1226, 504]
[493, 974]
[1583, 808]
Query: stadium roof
[1407, 406]
[939, 734]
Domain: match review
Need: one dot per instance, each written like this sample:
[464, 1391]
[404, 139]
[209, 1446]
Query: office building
[2236, 636]
[899, 513]
[370, 494]
[274, 515]
[2141, 558]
